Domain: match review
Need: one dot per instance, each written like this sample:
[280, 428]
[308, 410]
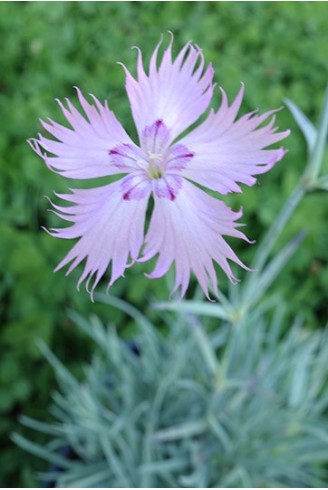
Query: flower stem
[313, 168]
[307, 182]
[276, 228]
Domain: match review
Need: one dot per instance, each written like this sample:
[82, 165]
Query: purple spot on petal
[167, 187]
[179, 157]
[156, 137]
[135, 187]
[172, 196]
[184, 156]
[124, 156]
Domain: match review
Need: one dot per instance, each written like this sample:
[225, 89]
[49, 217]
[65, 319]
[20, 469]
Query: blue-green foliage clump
[277, 50]
[241, 407]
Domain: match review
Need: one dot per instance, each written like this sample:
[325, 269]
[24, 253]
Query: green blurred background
[277, 49]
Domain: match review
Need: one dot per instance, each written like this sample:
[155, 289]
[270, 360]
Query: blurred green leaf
[305, 125]
[198, 308]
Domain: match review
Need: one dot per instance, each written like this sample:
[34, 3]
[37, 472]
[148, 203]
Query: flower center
[156, 165]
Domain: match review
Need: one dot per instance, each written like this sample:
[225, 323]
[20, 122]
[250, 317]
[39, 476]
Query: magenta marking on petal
[136, 193]
[167, 187]
[156, 137]
[135, 186]
[123, 151]
[180, 155]
[124, 157]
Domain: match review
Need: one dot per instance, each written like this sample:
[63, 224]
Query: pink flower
[187, 225]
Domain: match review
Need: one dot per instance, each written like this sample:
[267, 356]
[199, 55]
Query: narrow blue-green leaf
[195, 307]
[207, 350]
[261, 282]
[164, 466]
[60, 369]
[298, 385]
[320, 142]
[125, 307]
[52, 429]
[322, 183]
[96, 479]
[266, 245]
[219, 431]
[308, 129]
[116, 463]
[188, 429]
[42, 452]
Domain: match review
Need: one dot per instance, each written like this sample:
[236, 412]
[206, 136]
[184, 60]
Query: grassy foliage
[276, 49]
[242, 407]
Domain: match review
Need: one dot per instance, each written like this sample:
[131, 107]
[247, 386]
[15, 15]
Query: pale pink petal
[174, 91]
[83, 151]
[187, 232]
[155, 138]
[136, 186]
[179, 158]
[110, 229]
[128, 158]
[168, 186]
[227, 151]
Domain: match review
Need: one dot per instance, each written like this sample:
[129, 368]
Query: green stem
[313, 169]
[307, 182]
[276, 228]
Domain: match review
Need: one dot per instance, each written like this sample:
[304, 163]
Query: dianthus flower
[187, 225]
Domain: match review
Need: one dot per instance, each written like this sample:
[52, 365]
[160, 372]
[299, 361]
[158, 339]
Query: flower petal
[83, 152]
[179, 158]
[176, 92]
[188, 232]
[155, 138]
[227, 151]
[168, 186]
[136, 186]
[109, 228]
